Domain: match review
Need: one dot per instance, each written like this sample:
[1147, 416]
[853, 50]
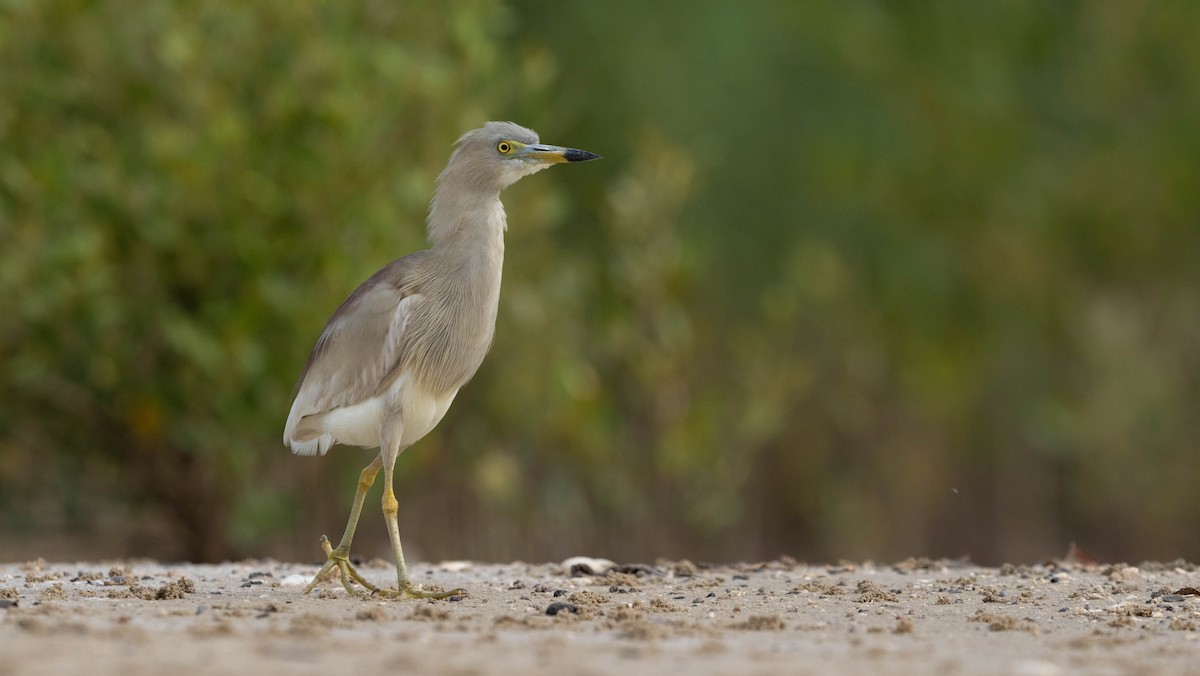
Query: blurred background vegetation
[856, 279]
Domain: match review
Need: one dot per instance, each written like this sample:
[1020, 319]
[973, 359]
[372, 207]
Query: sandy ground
[914, 617]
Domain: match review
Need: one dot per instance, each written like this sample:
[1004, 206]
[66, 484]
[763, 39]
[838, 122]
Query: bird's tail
[315, 446]
[302, 441]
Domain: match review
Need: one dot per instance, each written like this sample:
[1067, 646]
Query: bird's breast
[455, 330]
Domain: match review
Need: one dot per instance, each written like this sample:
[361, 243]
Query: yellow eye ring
[504, 147]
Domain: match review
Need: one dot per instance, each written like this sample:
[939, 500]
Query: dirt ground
[914, 617]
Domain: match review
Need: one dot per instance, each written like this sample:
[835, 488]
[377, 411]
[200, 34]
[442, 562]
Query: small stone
[561, 606]
[583, 565]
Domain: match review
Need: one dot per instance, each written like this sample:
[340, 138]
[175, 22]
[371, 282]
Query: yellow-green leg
[340, 557]
[404, 588]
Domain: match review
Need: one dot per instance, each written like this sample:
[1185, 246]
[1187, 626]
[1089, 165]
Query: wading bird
[394, 354]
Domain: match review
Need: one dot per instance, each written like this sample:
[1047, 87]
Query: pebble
[561, 606]
[588, 566]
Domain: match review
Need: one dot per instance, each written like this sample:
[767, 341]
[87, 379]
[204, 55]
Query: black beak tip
[575, 155]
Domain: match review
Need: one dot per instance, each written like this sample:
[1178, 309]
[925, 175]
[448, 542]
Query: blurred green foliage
[854, 279]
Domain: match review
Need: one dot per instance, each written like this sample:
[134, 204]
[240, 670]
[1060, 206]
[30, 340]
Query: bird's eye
[504, 147]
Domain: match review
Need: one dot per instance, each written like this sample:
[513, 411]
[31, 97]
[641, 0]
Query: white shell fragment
[598, 566]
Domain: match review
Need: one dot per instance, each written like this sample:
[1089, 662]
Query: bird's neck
[466, 232]
[465, 220]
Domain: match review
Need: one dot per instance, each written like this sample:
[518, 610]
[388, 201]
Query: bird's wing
[360, 347]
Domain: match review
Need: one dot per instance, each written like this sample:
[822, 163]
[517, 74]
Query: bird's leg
[404, 587]
[340, 557]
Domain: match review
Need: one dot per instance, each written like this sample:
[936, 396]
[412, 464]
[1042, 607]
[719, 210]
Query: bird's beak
[547, 154]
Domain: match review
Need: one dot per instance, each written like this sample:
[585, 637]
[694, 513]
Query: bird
[394, 354]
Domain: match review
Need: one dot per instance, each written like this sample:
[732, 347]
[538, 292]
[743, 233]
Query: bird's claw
[340, 558]
[408, 591]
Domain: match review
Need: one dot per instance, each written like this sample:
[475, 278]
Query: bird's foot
[340, 558]
[408, 591]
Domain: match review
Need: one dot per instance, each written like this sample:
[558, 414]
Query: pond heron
[393, 355]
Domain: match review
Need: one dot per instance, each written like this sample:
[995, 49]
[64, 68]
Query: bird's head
[501, 153]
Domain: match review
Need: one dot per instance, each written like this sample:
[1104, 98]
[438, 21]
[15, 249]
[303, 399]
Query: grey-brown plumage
[395, 353]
